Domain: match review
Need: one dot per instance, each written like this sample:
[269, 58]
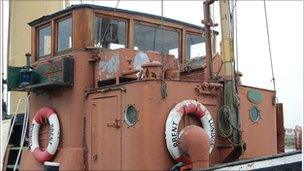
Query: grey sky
[286, 34]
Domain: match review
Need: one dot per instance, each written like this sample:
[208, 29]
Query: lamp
[26, 72]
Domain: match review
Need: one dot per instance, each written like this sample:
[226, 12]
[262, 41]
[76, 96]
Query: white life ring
[183, 108]
[43, 114]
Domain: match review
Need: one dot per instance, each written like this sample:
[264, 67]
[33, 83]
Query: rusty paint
[194, 143]
[280, 128]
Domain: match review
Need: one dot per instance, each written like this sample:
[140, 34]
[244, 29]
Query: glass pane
[109, 33]
[195, 46]
[156, 39]
[44, 41]
[64, 35]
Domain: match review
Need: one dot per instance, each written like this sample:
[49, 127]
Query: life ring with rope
[172, 135]
[43, 114]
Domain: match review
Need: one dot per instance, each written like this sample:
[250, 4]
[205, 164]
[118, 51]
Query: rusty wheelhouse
[116, 77]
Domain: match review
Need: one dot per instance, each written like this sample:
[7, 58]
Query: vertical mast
[226, 44]
[207, 31]
[229, 115]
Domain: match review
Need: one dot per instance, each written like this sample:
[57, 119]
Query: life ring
[43, 114]
[183, 108]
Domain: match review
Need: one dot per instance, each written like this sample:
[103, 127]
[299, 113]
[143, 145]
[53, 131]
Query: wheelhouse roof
[97, 7]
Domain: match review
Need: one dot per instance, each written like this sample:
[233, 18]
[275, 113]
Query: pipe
[194, 142]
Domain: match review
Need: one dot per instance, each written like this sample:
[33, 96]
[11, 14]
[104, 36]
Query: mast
[227, 50]
[207, 31]
[229, 114]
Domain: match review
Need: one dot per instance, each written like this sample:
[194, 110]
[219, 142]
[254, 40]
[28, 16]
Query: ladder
[16, 137]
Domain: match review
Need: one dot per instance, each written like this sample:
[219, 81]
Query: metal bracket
[115, 124]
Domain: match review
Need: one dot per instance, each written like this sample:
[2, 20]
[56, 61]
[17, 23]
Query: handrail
[23, 132]
[14, 119]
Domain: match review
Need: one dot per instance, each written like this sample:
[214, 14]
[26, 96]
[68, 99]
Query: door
[106, 133]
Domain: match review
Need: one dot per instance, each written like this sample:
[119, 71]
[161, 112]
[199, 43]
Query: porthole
[131, 115]
[254, 114]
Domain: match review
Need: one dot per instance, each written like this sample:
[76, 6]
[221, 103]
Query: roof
[81, 6]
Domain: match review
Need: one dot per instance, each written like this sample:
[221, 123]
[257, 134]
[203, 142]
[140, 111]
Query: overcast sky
[286, 34]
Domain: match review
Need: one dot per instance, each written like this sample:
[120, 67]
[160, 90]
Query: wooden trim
[131, 34]
[183, 45]
[33, 44]
[63, 17]
[195, 33]
[90, 28]
[53, 39]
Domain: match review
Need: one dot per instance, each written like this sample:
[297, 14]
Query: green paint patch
[254, 96]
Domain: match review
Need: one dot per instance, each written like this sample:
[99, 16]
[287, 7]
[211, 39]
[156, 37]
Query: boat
[112, 89]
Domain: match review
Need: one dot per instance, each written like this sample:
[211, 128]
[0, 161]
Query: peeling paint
[139, 59]
[110, 67]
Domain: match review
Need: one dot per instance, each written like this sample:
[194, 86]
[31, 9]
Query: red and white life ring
[183, 108]
[43, 114]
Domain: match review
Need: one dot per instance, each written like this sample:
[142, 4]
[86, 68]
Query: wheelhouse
[83, 27]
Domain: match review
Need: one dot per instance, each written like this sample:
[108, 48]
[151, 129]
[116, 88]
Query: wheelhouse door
[106, 133]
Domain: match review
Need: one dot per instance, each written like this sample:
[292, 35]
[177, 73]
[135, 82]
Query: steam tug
[111, 89]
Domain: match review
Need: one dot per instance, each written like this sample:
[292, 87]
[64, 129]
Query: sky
[285, 20]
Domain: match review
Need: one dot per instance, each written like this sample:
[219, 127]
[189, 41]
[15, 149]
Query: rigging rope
[269, 46]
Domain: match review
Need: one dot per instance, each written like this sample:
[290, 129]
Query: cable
[269, 46]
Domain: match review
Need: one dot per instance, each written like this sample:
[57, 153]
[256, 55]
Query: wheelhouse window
[156, 39]
[44, 41]
[64, 36]
[109, 33]
[195, 46]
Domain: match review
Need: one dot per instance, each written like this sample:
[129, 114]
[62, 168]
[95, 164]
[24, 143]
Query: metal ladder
[16, 146]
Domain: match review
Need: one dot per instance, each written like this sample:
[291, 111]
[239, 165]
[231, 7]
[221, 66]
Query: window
[44, 41]
[195, 46]
[64, 36]
[109, 33]
[150, 38]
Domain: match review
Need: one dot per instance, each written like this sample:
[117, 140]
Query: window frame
[101, 15]
[159, 25]
[37, 28]
[193, 34]
[56, 27]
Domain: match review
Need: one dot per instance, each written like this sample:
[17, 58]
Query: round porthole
[254, 114]
[131, 115]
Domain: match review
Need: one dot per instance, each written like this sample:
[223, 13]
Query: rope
[269, 47]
